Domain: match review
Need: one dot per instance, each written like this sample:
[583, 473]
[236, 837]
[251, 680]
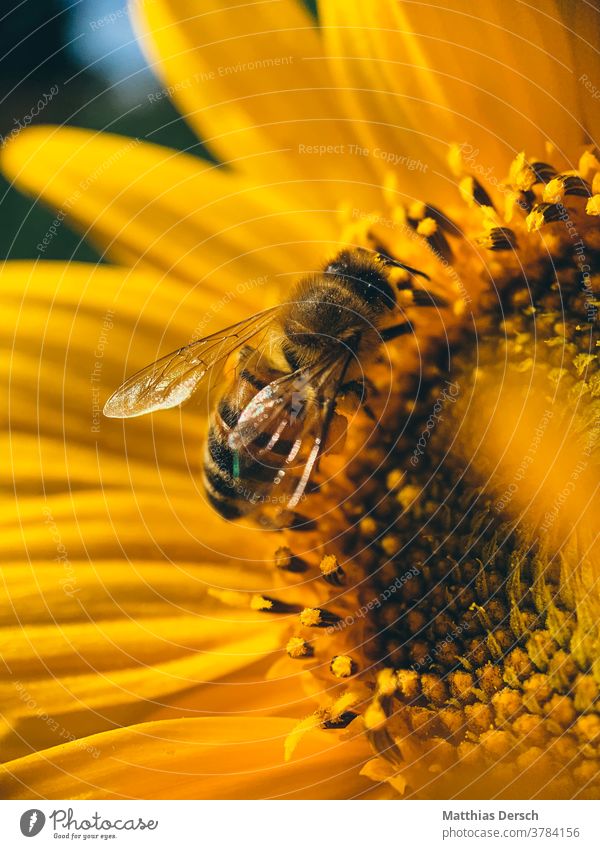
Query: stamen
[589, 164]
[498, 239]
[565, 184]
[298, 648]
[331, 570]
[316, 617]
[271, 605]
[543, 171]
[342, 666]
[521, 174]
[592, 207]
[544, 213]
[427, 227]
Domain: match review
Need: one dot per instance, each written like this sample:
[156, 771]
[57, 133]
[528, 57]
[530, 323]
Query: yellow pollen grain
[427, 227]
[259, 602]
[588, 164]
[310, 617]
[297, 647]
[596, 184]
[283, 557]
[592, 207]
[341, 666]
[554, 191]
[535, 220]
[329, 564]
[485, 240]
[521, 174]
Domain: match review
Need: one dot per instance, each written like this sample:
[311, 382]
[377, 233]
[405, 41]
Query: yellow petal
[211, 758]
[119, 523]
[87, 647]
[583, 20]
[254, 84]
[495, 80]
[153, 207]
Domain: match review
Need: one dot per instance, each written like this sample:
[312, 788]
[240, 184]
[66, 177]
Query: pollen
[261, 602]
[593, 205]
[331, 569]
[342, 666]
[267, 604]
[298, 648]
[427, 226]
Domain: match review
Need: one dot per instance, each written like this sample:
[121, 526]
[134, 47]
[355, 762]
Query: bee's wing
[294, 410]
[172, 379]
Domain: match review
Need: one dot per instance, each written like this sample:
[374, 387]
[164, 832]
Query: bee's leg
[361, 389]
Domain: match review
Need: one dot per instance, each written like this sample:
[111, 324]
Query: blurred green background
[86, 49]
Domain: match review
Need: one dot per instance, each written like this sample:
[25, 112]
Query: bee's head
[365, 274]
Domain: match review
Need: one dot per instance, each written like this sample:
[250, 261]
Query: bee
[294, 362]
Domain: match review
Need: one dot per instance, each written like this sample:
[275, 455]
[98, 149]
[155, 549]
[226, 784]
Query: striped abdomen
[237, 483]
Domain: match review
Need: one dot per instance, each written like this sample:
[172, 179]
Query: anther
[498, 239]
[298, 648]
[543, 171]
[331, 570]
[266, 604]
[563, 185]
[427, 227]
[521, 174]
[588, 165]
[592, 207]
[544, 213]
[316, 617]
[342, 666]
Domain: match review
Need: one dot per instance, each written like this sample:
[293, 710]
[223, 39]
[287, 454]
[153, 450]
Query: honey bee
[295, 361]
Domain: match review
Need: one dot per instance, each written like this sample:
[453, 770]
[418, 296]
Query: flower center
[443, 616]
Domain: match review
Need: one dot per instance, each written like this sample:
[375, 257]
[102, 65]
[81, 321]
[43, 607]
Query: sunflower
[433, 632]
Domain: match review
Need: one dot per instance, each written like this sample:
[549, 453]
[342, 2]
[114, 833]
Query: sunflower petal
[87, 647]
[496, 81]
[152, 207]
[253, 82]
[210, 758]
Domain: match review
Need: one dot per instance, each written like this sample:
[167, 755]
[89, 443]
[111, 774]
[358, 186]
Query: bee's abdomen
[237, 483]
